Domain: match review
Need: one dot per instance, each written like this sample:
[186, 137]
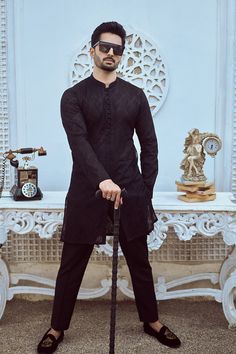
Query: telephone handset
[26, 177]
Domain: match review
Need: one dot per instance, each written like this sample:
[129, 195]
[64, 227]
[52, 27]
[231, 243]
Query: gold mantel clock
[193, 181]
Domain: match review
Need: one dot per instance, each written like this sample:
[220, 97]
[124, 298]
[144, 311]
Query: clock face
[29, 190]
[212, 145]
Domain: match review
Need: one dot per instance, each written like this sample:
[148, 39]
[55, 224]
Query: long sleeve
[76, 130]
[148, 142]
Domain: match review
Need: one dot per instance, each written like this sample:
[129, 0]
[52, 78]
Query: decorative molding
[228, 299]
[107, 247]
[142, 64]
[186, 225]
[163, 286]
[4, 119]
[43, 223]
[84, 293]
[224, 73]
[233, 99]
[163, 294]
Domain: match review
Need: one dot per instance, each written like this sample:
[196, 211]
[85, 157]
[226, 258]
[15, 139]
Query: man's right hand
[111, 191]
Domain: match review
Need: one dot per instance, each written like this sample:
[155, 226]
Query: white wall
[45, 36]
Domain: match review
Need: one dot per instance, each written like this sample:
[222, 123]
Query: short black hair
[111, 27]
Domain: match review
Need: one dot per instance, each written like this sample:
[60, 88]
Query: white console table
[187, 219]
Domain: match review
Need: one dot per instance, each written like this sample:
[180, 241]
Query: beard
[103, 65]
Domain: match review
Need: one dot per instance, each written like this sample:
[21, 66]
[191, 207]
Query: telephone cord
[2, 175]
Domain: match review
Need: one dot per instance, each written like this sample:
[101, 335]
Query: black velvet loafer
[49, 343]
[165, 336]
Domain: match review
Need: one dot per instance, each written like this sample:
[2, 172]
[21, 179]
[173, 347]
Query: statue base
[196, 191]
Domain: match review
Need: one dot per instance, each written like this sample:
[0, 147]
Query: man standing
[99, 115]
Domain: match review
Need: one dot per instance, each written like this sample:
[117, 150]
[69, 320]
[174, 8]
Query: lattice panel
[199, 249]
[30, 248]
[4, 124]
[142, 64]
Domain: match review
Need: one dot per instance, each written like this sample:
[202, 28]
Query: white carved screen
[4, 123]
[234, 123]
[142, 64]
[234, 139]
[230, 96]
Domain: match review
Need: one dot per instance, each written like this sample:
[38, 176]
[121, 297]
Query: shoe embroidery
[47, 342]
[169, 334]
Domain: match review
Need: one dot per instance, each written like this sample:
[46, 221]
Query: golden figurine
[193, 180]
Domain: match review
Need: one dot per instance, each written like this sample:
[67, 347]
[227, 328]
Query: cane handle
[98, 193]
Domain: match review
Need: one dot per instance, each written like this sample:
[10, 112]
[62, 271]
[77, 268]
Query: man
[99, 115]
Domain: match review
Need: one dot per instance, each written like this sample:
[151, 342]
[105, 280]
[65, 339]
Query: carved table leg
[4, 286]
[228, 297]
[3, 228]
[228, 266]
[228, 286]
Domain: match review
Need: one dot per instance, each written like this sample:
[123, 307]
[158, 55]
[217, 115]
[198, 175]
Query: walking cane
[116, 229]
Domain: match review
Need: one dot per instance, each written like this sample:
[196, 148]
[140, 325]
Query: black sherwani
[100, 123]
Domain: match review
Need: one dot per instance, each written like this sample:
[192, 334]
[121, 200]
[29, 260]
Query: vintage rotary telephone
[26, 177]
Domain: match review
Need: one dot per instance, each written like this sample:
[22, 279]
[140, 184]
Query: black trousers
[74, 260]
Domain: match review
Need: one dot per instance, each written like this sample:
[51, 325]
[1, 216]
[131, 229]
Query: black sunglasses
[104, 47]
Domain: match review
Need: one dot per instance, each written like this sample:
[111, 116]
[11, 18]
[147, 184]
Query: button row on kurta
[107, 109]
[108, 115]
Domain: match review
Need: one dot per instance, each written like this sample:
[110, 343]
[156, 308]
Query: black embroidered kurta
[99, 123]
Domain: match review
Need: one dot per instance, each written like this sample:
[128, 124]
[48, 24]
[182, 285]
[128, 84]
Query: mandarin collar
[102, 84]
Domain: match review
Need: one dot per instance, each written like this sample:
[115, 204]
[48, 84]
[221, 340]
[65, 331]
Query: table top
[162, 201]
